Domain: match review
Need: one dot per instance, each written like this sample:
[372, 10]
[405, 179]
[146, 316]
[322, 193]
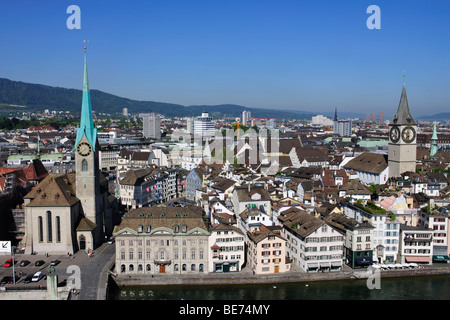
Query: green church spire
[434, 138]
[87, 121]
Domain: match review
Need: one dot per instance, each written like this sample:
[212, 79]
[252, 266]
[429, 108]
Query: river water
[406, 288]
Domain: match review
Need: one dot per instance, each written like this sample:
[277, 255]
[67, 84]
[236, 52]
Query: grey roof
[403, 115]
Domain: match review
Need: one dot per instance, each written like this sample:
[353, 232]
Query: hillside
[37, 97]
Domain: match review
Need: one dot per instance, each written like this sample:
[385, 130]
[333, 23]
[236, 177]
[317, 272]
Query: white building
[151, 126]
[311, 243]
[204, 126]
[227, 249]
[439, 223]
[416, 244]
[343, 128]
[322, 121]
[246, 116]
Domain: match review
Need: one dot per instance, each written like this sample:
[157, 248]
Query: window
[49, 226]
[58, 229]
[40, 230]
[84, 165]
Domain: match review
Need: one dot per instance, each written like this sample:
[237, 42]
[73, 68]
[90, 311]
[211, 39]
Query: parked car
[17, 278]
[39, 263]
[5, 280]
[37, 276]
[55, 262]
[8, 263]
[28, 278]
[24, 263]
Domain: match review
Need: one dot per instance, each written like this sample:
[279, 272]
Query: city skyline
[258, 54]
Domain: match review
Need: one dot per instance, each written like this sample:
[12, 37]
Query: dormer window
[176, 228]
[148, 228]
[140, 227]
[184, 228]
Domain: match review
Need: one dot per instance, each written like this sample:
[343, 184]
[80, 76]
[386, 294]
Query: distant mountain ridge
[38, 97]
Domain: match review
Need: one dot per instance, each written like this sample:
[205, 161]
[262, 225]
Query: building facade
[159, 240]
[227, 249]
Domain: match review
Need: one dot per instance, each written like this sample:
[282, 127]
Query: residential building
[227, 249]
[255, 197]
[358, 239]
[370, 168]
[311, 243]
[416, 245]
[266, 251]
[438, 221]
[195, 180]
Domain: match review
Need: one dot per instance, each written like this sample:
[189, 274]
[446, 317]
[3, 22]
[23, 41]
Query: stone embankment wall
[226, 279]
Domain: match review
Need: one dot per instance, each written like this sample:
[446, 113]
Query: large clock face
[408, 134]
[394, 134]
[84, 149]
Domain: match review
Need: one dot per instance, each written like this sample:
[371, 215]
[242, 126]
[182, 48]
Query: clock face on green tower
[394, 134]
[84, 149]
[408, 134]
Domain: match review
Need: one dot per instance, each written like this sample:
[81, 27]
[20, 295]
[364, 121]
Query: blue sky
[278, 54]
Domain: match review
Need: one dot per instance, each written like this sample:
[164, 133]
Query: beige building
[158, 240]
[266, 251]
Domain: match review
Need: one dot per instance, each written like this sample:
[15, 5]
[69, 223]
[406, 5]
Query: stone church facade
[66, 213]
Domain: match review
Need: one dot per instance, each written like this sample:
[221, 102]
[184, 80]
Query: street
[66, 270]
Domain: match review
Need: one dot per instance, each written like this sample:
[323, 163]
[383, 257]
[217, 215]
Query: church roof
[54, 191]
[86, 225]
[403, 115]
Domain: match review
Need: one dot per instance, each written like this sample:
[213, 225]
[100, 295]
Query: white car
[37, 276]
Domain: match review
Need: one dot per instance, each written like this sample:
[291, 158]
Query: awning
[312, 265]
[418, 259]
[364, 260]
[441, 258]
[336, 263]
[324, 264]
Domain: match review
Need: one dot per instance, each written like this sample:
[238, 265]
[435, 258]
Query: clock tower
[87, 166]
[402, 140]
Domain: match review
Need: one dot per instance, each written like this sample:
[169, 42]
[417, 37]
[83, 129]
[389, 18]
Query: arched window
[84, 165]
[58, 229]
[40, 230]
[49, 226]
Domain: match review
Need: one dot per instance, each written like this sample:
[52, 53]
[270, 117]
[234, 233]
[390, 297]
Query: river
[405, 288]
